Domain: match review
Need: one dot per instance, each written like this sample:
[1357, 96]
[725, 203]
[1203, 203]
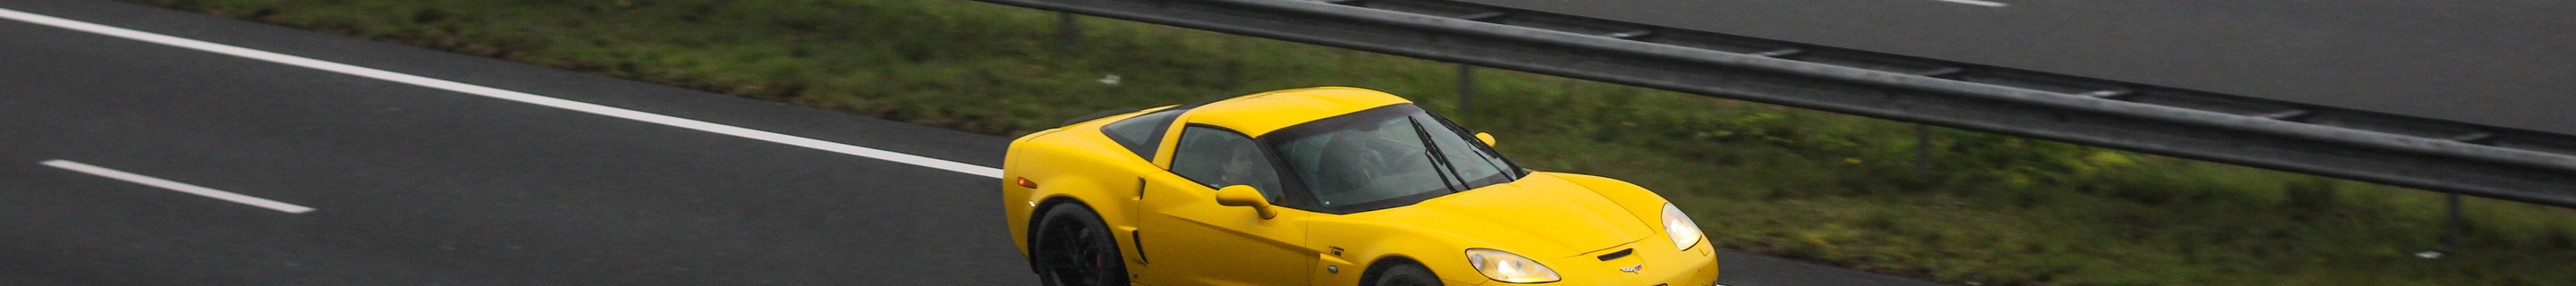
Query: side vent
[1138, 237]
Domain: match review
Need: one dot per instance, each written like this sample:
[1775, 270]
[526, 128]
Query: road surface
[163, 148]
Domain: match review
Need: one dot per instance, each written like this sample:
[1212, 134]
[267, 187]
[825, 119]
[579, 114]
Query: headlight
[1506, 267]
[1679, 226]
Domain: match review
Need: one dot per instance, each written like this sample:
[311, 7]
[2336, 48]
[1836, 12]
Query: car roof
[1262, 113]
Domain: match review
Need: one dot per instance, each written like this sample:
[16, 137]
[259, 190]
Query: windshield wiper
[1444, 177]
[1491, 160]
[1432, 149]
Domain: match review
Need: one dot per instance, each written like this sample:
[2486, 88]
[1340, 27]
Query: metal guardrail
[2510, 164]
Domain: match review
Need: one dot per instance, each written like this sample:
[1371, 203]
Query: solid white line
[500, 93]
[1978, 3]
[177, 186]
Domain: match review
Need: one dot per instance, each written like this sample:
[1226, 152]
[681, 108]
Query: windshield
[1378, 158]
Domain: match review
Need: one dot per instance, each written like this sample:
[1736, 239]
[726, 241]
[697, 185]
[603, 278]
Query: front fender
[1364, 243]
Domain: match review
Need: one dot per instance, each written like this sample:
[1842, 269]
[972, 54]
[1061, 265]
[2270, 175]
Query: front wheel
[1406, 274]
[1074, 248]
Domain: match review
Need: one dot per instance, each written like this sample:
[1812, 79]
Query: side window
[1142, 133]
[1218, 158]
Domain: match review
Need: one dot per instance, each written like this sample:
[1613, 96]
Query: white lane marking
[500, 93]
[1977, 2]
[177, 186]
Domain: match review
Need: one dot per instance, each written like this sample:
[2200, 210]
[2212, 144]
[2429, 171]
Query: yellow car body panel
[1566, 222]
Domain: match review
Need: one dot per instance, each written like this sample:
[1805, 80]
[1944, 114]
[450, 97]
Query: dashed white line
[1978, 3]
[502, 94]
[177, 186]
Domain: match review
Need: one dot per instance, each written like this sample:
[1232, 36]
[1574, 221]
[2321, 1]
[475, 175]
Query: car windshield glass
[1378, 158]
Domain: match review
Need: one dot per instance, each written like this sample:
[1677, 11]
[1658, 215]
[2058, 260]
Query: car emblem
[1633, 269]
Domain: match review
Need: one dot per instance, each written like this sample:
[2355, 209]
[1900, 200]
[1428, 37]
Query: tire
[1073, 248]
[1405, 274]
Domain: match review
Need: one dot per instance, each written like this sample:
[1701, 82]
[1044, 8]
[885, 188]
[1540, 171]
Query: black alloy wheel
[1406, 274]
[1074, 248]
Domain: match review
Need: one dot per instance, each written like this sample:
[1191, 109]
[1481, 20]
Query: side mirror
[1488, 138]
[1245, 196]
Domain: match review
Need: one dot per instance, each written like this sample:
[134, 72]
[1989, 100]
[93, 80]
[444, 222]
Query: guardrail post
[1466, 87]
[1066, 31]
[2453, 231]
[1922, 151]
[2458, 226]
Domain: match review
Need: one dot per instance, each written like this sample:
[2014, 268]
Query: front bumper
[1661, 265]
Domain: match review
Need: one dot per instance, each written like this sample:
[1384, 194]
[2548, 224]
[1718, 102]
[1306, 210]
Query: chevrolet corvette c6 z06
[1325, 186]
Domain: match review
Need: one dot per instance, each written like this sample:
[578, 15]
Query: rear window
[1140, 134]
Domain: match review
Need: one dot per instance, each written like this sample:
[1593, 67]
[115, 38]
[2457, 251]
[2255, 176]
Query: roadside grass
[1996, 210]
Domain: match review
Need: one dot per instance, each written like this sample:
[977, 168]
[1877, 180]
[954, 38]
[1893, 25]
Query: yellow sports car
[1324, 186]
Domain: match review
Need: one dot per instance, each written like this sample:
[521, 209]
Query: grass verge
[1999, 210]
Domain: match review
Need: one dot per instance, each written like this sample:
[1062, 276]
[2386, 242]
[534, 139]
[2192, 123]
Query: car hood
[1540, 217]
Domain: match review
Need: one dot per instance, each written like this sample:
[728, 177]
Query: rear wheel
[1406, 274]
[1073, 248]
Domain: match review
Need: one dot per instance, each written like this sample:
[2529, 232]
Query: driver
[1244, 165]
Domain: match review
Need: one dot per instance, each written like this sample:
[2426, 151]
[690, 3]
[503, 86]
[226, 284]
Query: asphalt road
[414, 185]
[2501, 63]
